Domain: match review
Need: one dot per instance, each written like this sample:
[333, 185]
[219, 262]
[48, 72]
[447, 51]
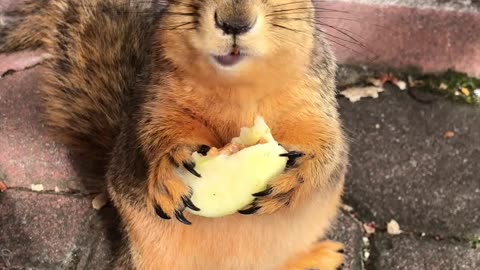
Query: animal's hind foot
[326, 255]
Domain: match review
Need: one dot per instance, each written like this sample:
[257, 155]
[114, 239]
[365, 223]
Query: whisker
[310, 8]
[315, 22]
[318, 22]
[301, 2]
[181, 13]
[295, 12]
[284, 27]
[359, 22]
[343, 32]
[178, 26]
[322, 37]
[341, 45]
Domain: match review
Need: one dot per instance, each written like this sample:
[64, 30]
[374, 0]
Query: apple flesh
[231, 175]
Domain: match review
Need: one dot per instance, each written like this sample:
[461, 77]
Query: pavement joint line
[364, 247]
[11, 72]
[423, 235]
[73, 193]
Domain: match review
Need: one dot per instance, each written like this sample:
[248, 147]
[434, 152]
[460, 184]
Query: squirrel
[141, 85]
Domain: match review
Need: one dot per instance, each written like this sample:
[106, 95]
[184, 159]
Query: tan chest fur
[231, 243]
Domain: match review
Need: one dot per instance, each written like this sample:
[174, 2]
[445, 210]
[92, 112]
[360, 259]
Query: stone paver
[349, 232]
[29, 156]
[391, 34]
[20, 60]
[48, 231]
[410, 253]
[403, 168]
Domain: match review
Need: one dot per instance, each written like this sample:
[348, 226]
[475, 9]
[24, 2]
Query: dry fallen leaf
[38, 187]
[412, 82]
[443, 86]
[369, 228]
[449, 135]
[375, 82]
[100, 201]
[402, 85]
[366, 255]
[392, 79]
[347, 208]
[393, 227]
[465, 91]
[354, 94]
[3, 186]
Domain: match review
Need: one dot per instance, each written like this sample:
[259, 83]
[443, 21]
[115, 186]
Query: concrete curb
[399, 34]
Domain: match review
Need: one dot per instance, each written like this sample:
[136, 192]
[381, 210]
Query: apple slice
[231, 175]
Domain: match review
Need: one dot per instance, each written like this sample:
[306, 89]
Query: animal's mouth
[230, 59]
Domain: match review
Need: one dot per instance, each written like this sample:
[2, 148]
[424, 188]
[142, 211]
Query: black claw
[292, 157]
[292, 154]
[341, 251]
[249, 211]
[266, 192]
[341, 267]
[179, 215]
[203, 150]
[189, 165]
[188, 203]
[160, 213]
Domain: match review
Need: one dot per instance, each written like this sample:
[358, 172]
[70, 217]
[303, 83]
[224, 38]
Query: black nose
[235, 26]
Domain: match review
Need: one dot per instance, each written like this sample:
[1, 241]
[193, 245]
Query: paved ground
[402, 168]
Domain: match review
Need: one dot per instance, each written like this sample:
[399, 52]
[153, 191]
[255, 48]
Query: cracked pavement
[402, 168]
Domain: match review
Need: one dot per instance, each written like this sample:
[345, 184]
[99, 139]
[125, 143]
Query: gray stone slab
[402, 167]
[47, 232]
[29, 155]
[349, 232]
[409, 253]
[454, 5]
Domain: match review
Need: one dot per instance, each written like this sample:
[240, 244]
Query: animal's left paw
[281, 191]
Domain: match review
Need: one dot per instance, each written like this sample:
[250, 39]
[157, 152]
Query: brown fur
[146, 94]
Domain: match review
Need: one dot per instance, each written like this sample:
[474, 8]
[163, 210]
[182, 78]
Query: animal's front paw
[282, 191]
[168, 195]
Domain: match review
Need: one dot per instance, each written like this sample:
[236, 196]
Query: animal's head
[235, 39]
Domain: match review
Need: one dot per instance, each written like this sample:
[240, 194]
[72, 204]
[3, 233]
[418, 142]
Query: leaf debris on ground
[347, 208]
[455, 85]
[449, 135]
[37, 187]
[402, 85]
[354, 94]
[3, 186]
[100, 201]
[393, 227]
[369, 228]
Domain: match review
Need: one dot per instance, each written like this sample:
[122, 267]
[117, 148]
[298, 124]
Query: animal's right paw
[168, 195]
